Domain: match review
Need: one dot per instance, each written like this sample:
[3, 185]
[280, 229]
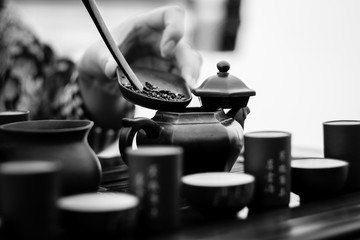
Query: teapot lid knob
[223, 67]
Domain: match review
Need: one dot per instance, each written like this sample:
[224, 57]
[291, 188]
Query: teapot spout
[239, 114]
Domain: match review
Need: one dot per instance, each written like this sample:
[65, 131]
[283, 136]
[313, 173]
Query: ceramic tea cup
[14, 116]
[317, 178]
[341, 141]
[218, 194]
[154, 177]
[267, 156]
[28, 192]
[97, 214]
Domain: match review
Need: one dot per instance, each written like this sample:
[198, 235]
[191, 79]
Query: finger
[94, 60]
[170, 20]
[98, 62]
[174, 31]
[110, 68]
[189, 62]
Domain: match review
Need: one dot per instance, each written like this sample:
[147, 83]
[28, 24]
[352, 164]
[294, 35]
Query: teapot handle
[130, 127]
[239, 114]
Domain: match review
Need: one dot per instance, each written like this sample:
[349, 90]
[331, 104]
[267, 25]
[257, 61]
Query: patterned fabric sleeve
[32, 77]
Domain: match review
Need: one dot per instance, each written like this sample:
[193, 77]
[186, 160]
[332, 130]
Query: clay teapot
[212, 138]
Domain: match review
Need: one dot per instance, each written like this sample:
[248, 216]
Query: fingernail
[168, 49]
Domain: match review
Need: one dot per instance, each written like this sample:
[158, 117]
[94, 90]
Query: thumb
[168, 48]
[110, 68]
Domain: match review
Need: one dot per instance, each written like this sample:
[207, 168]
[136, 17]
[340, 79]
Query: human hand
[154, 40]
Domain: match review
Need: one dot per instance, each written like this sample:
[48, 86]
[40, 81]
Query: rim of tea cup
[268, 134]
[317, 163]
[98, 202]
[217, 179]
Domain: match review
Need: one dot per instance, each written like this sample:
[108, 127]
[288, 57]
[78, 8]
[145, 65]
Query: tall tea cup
[267, 156]
[342, 141]
[28, 193]
[155, 178]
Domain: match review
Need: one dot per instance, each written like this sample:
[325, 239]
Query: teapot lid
[223, 89]
[223, 84]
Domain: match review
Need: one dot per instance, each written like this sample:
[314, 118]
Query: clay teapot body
[64, 141]
[211, 140]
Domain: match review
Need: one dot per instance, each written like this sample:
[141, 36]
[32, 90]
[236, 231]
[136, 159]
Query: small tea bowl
[14, 116]
[317, 178]
[218, 194]
[98, 214]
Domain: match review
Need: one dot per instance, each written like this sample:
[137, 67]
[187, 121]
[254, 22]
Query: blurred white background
[302, 57]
